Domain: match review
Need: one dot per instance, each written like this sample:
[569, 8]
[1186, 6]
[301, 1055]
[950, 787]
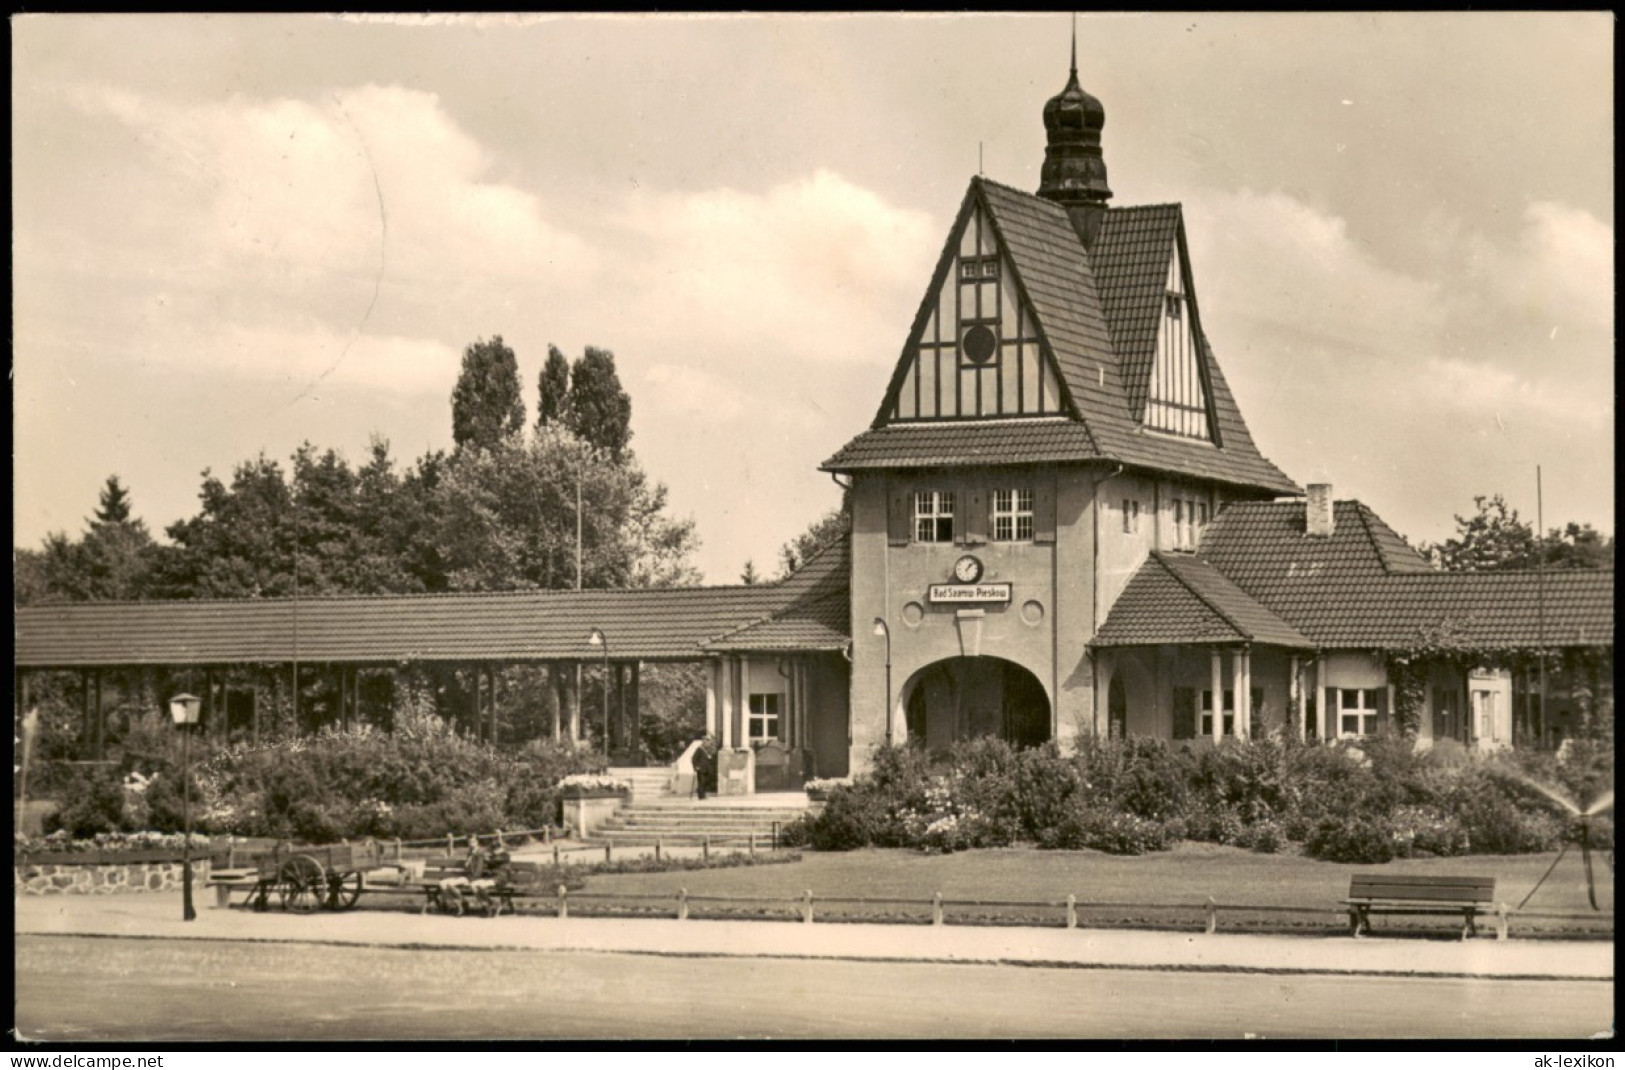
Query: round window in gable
[978, 343]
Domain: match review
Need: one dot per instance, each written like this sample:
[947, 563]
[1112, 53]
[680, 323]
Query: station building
[1061, 526]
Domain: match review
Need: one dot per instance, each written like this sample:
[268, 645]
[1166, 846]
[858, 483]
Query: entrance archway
[961, 698]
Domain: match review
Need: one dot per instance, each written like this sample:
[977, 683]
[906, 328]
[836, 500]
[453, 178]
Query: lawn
[1184, 877]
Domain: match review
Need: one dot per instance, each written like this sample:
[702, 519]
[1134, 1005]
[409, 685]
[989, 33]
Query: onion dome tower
[1074, 174]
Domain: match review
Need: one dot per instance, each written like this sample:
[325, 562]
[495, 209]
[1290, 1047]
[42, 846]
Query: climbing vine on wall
[1448, 644]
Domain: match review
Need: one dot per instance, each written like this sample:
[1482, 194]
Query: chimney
[1318, 517]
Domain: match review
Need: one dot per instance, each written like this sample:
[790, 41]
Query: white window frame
[1013, 515]
[1206, 710]
[933, 509]
[764, 720]
[1365, 715]
[1190, 518]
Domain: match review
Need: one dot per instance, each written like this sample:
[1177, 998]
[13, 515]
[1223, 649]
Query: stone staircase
[648, 782]
[654, 814]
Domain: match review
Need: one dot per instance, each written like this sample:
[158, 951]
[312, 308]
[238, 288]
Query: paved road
[73, 988]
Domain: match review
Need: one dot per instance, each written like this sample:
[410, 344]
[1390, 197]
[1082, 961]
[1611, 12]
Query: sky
[233, 234]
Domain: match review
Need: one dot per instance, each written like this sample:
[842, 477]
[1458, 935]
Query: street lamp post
[597, 638]
[885, 632]
[184, 710]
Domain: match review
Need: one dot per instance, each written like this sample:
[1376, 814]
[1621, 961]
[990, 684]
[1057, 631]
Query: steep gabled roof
[653, 624]
[1065, 289]
[1131, 261]
[1364, 587]
[1175, 598]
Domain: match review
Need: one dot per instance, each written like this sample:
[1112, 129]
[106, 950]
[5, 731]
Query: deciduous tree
[486, 406]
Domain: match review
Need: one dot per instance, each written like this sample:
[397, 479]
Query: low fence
[1070, 913]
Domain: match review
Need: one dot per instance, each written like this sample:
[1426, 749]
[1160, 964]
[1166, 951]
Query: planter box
[585, 812]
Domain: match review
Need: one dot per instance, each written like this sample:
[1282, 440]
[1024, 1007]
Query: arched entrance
[961, 698]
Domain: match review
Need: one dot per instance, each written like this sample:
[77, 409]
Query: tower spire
[1074, 173]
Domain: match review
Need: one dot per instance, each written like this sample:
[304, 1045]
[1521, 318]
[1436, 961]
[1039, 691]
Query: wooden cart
[307, 878]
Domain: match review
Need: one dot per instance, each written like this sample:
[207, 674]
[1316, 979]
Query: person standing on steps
[705, 768]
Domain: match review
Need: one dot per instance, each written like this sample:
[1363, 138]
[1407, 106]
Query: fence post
[547, 834]
[1212, 916]
[1071, 912]
[936, 909]
[501, 844]
[564, 901]
[607, 846]
[231, 852]
[1500, 921]
[705, 850]
[806, 906]
[398, 847]
[451, 845]
[682, 904]
[753, 841]
[775, 835]
[657, 848]
[555, 856]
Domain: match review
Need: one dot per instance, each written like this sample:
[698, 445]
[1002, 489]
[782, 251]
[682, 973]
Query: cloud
[817, 269]
[374, 183]
[1562, 272]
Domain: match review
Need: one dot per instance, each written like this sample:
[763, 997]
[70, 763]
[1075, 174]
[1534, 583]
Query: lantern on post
[597, 638]
[185, 711]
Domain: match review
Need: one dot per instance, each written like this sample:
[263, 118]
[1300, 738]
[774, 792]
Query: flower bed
[592, 786]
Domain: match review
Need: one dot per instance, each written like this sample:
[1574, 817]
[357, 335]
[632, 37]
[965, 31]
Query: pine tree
[487, 406]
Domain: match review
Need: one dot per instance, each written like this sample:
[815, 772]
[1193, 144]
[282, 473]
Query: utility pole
[1540, 594]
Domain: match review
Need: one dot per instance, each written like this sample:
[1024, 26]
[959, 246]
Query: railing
[804, 907]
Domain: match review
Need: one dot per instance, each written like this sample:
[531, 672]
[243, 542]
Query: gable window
[1356, 712]
[977, 268]
[1229, 713]
[1013, 515]
[1131, 516]
[1175, 305]
[764, 716]
[1190, 517]
[934, 516]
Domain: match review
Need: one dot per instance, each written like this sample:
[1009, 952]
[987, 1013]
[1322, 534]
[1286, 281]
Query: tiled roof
[1130, 258]
[1363, 587]
[647, 624]
[1178, 599]
[1052, 268]
[812, 624]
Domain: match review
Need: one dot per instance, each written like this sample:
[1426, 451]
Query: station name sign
[968, 592]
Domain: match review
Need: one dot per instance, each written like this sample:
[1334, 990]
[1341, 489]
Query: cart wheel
[343, 889]
[304, 884]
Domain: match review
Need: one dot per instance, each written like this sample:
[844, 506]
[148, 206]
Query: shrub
[1355, 838]
[1266, 836]
[1428, 830]
[849, 820]
[1111, 831]
[1215, 824]
[797, 833]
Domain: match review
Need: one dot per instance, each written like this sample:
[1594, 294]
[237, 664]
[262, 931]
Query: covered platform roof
[653, 624]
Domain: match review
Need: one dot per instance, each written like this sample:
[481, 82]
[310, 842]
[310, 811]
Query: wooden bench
[226, 881]
[491, 894]
[1382, 893]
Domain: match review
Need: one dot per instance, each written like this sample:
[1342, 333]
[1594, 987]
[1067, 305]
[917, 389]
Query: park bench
[491, 894]
[226, 881]
[1381, 893]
